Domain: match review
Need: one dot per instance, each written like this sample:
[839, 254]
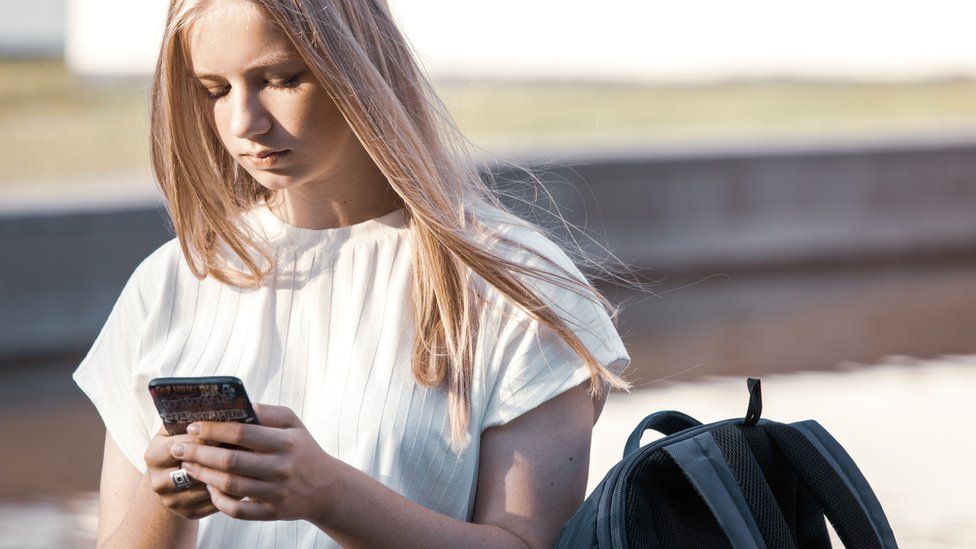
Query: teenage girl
[426, 366]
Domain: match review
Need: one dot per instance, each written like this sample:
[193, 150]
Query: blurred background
[799, 179]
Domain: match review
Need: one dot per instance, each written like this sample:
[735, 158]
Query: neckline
[285, 235]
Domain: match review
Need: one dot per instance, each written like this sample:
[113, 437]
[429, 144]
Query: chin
[277, 182]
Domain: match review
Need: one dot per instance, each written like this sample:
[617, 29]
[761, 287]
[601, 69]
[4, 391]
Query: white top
[330, 336]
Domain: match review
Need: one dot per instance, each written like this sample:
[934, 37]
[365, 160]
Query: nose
[248, 116]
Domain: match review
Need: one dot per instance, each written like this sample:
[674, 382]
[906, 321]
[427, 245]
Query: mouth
[266, 159]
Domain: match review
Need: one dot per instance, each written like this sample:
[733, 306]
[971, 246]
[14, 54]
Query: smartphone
[182, 400]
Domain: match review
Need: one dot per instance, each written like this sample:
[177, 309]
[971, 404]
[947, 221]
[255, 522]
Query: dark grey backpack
[735, 483]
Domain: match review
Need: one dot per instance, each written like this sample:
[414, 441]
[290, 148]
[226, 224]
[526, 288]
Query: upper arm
[533, 470]
[116, 490]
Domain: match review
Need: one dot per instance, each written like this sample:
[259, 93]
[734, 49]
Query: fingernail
[193, 429]
[176, 450]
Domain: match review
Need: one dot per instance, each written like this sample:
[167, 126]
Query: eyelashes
[289, 84]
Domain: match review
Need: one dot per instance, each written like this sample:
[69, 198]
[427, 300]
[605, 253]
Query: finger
[241, 462]
[234, 484]
[200, 496]
[255, 437]
[196, 505]
[158, 454]
[183, 501]
[190, 498]
[240, 509]
[276, 416]
[162, 483]
[204, 510]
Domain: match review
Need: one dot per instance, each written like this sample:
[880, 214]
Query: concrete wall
[740, 207]
[721, 209]
[62, 273]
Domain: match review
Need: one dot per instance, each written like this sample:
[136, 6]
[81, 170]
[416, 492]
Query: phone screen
[182, 400]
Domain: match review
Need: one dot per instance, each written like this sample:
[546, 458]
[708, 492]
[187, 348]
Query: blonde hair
[357, 53]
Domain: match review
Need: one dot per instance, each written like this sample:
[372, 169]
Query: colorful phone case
[182, 400]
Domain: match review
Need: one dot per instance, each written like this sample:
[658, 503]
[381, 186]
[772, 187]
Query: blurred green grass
[54, 126]
[497, 113]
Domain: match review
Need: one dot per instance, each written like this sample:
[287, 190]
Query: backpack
[735, 483]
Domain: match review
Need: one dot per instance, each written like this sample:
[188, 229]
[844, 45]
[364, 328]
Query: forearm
[150, 524]
[365, 513]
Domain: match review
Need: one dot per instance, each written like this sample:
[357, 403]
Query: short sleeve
[106, 374]
[529, 363]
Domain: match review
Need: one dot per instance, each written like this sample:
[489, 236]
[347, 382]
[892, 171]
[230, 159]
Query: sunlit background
[799, 179]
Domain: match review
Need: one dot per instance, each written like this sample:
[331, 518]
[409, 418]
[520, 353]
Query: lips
[265, 159]
[263, 154]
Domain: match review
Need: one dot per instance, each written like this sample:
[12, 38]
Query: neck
[313, 206]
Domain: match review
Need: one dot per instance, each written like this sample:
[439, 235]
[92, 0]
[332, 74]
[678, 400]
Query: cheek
[314, 119]
[297, 116]
[221, 122]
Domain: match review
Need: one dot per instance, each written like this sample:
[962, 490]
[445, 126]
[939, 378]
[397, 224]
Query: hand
[191, 503]
[285, 474]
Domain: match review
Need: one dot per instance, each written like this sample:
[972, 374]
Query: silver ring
[181, 478]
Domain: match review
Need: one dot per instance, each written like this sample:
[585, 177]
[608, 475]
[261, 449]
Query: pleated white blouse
[329, 335]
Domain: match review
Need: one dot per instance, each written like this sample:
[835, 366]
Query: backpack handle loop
[755, 402]
[666, 422]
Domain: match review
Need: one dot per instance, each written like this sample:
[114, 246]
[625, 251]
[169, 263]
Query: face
[263, 98]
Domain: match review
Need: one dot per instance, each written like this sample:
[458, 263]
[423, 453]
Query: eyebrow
[260, 64]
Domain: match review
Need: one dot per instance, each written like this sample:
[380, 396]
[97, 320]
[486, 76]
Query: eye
[286, 84]
[289, 83]
[213, 95]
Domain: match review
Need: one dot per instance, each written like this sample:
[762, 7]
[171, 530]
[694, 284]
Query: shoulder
[525, 243]
[160, 263]
[167, 254]
[528, 361]
[519, 241]
[576, 301]
[153, 274]
[525, 234]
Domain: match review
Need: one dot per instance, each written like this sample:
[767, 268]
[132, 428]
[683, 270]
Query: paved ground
[907, 424]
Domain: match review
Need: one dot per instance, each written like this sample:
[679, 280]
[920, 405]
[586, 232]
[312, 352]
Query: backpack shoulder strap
[701, 461]
[835, 482]
[756, 490]
[666, 422]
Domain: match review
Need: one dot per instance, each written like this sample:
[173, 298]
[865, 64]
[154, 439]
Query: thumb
[276, 416]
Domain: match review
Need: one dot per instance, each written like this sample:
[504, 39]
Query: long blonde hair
[357, 53]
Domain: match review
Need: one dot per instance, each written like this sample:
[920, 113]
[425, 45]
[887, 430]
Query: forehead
[229, 36]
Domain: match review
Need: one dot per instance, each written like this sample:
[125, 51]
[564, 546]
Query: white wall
[625, 39]
[694, 39]
[113, 37]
